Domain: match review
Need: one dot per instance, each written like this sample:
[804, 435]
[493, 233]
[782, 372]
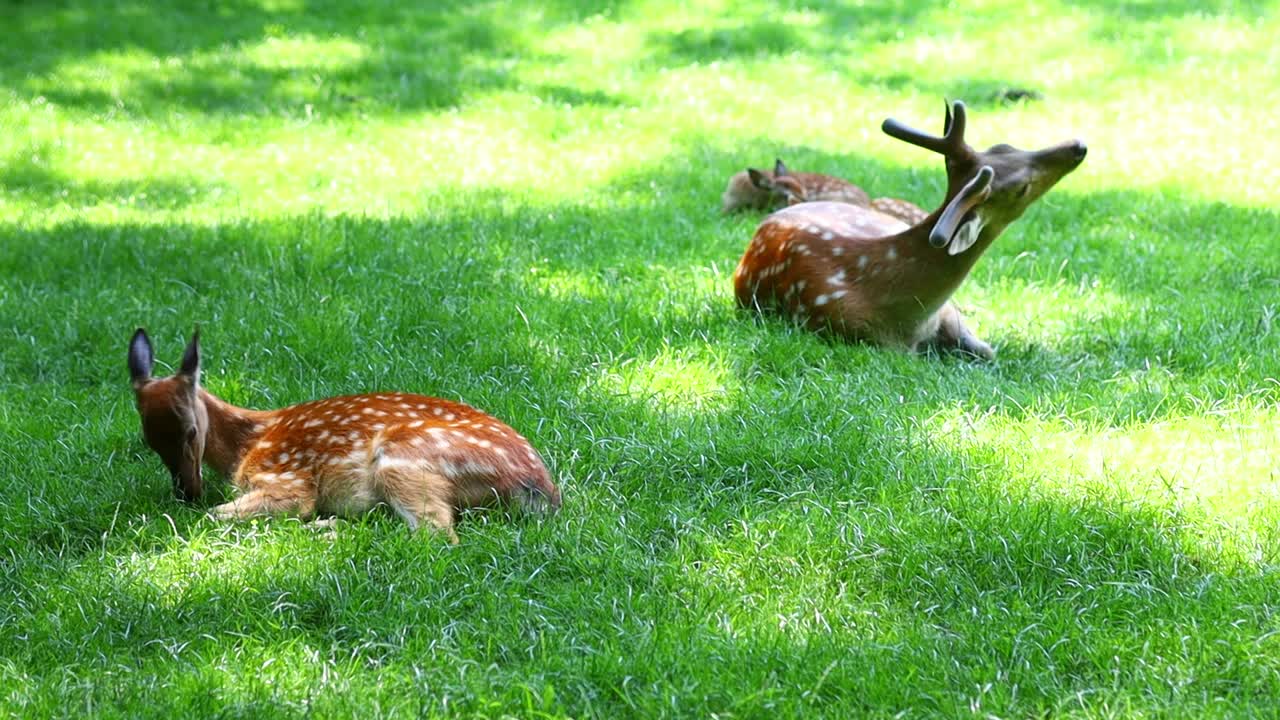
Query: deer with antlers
[867, 276]
[422, 456]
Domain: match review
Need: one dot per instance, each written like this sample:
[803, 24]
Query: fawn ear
[191, 359]
[760, 179]
[779, 169]
[141, 357]
[947, 229]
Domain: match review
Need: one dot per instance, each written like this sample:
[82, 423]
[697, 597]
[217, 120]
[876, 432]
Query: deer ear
[974, 193]
[967, 235]
[191, 359]
[778, 168]
[141, 357]
[760, 179]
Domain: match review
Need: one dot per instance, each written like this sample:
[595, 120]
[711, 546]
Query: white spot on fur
[839, 294]
[862, 261]
[891, 253]
[394, 462]
[313, 423]
[416, 423]
[282, 458]
[827, 235]
[821, 300]
[836, 279]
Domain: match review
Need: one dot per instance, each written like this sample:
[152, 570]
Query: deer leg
[265, 502]
[418, 495]
[954, 334]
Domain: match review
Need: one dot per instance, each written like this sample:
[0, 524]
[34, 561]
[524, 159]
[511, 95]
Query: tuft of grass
[514, 204]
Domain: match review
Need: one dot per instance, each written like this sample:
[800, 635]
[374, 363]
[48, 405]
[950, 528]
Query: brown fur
[764, 189]
[866, 275]
[423, 456]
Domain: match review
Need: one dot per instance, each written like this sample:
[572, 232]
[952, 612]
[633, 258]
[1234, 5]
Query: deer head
[175, 421]
[780, 183]
[986, 190]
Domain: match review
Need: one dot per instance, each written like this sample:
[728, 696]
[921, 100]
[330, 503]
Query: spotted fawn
[422, 456]
[761, 189]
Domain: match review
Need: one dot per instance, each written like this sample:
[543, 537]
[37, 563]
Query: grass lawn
[515, 204]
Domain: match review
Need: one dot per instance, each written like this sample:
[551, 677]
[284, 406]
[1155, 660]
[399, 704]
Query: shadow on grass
[333, 57]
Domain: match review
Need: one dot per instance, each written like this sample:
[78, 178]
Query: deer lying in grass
[422, 456]
[761, 189]
[867, 276]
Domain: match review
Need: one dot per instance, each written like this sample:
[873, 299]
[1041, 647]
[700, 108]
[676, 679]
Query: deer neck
[937, 273]
[232, 430]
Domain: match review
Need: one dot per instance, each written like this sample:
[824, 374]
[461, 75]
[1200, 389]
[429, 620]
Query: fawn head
[987, 189]
[781, 182]
[175, 421]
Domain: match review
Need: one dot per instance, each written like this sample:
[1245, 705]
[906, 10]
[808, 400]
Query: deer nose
[1079, 149]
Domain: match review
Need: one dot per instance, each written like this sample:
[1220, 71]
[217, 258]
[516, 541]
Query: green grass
[514, 204]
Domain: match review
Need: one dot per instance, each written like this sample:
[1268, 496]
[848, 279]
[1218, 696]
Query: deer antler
[950, 144]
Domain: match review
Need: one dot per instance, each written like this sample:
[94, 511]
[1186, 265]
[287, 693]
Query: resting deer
[867, 276]
[761, 189]
[422, 456]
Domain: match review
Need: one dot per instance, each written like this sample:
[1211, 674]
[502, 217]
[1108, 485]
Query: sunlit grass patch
[669, 382]
[1217, 470]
